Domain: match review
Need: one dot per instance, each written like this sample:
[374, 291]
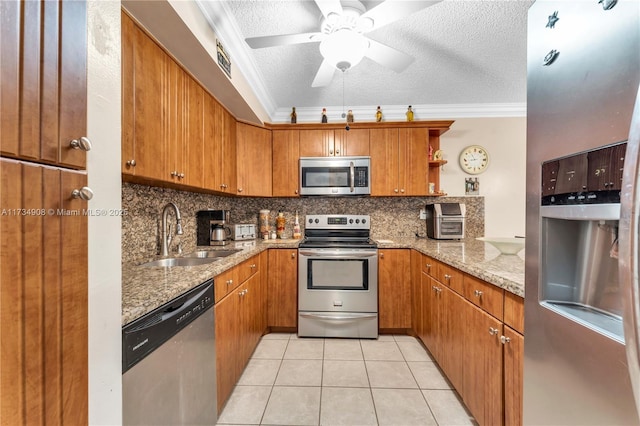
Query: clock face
[474, 159]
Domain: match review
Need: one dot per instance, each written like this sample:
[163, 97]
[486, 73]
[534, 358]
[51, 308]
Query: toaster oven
[445, 221]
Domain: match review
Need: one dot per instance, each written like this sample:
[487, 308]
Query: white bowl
[505, 245]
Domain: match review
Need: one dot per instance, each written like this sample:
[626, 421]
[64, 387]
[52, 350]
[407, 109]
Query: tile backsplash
[390, 216]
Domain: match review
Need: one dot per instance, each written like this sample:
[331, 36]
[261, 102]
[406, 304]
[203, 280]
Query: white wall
[103, 165]
[503, 183]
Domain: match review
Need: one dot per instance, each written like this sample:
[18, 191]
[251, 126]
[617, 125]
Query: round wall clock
[474, 159]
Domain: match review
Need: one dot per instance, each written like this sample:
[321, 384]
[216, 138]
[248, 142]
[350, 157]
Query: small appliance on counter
[212, 228]
[243, 231]
[445, 221]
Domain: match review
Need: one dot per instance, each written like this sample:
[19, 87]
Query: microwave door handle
[352, 172]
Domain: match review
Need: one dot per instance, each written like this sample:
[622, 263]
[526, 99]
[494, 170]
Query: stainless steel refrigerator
[582, 312]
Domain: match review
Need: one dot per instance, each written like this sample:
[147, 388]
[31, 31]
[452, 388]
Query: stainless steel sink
[180, 261]
[211, 254]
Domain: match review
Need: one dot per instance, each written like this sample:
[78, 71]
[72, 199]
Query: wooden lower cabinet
[482, 385]
[513, 376]
[43, 296]
[239, 325]
[394, 288]
[282, 307]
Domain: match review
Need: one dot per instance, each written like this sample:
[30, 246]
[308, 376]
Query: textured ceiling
[466, 52]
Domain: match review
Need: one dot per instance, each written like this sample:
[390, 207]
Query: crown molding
[226, 29]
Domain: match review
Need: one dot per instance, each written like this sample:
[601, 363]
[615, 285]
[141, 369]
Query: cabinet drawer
[247, 268]
[429, 266]
[514, 311]
[450, 277]
[484, 295]
[225, 283]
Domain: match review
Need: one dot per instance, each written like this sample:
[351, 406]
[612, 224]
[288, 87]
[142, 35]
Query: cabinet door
[283, 288]
[285, 162]
[193, 167]
[228, 334]
[213, 145]
[44, 81]
[128, 107]
[431, 314]
[513, 376]
[416, 292]
[451, 329]
[43, 296]
[414, 167]
[482, 383]
[316, 143]
[150, 73]
[394, 288]
[354, 142]
[384, 162]
[252, 314]
[229, 160]
[254, 160]
[174, 137]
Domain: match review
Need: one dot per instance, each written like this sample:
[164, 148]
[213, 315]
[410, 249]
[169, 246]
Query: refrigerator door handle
[629, 251]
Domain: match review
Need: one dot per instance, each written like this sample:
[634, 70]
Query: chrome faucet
[165, 241]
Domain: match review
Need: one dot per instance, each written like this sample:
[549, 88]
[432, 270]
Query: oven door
[338, 280]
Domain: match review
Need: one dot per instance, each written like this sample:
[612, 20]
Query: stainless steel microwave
[335, 175]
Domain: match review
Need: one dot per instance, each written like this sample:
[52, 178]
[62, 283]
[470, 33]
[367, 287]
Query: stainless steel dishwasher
[169, 363]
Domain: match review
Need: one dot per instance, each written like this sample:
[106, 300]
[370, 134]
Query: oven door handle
[352, 173]
[336, 255]
[338, 317]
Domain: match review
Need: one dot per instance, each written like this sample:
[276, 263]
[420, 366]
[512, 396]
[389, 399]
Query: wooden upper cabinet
[174, 126]
[253, 160]
[43, 104]
[193, 142]
[413, 154]
[219, 147]
[333, 143]
[384, 161]
[286, 156]
[316, 143]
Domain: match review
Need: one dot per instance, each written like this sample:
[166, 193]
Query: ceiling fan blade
[388, 56]
[324, 75]
[329, 6]
[283, 40]
[389, 11]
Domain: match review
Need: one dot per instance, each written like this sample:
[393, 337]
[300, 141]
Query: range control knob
[310, 220]
[350, 220]
[317, 221]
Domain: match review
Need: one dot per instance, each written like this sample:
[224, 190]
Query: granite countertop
[144, 288]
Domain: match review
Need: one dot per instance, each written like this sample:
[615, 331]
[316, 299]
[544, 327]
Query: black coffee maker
[212, 229]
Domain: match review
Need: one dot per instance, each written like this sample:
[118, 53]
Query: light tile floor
[304, 381]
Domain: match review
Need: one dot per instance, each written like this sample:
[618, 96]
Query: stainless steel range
[338, 278]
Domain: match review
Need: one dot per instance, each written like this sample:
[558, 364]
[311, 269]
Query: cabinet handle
[331, 151]
[239, 189]
[428, 265]
[229, 282]
[402, 190]
[447, 277]
[337, 152]
[505, 339]
[181, 175]
[174, 173]
[493, 331]
[295, 192]
[478, 293]
[381, 255]
[253, 266]
[395, 190]
[85, 193]
[293, 255]
[131, 163]
[83, 143]
[242, 293]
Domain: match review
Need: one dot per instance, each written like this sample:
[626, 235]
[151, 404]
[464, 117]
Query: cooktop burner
[332, 231]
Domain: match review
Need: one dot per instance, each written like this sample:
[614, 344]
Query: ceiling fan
[342, 35]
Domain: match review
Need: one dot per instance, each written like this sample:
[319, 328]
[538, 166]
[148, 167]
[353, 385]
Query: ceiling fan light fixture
[344, 48]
